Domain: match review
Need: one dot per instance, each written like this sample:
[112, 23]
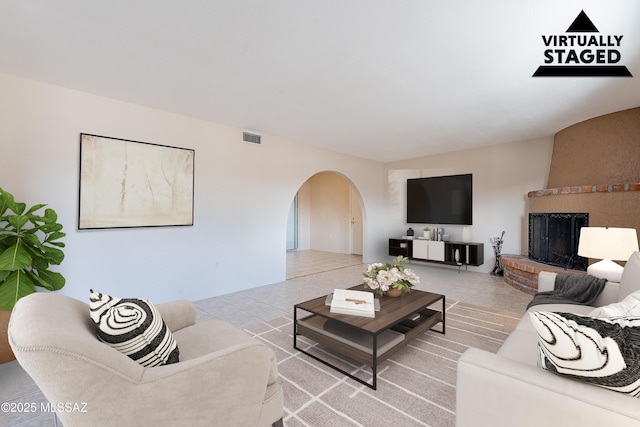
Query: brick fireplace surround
[604, 151]
[522, 273]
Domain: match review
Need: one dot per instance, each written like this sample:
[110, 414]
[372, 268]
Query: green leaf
[19, 208]
[50, 227]
[39, 262]
[54, 236]
[7, 239]
[18, 221]
[31, 240]
[35, 208]
[51, 215]
[4, 204]
[50, 280]
[53, 255]
[15, 258]
[16, 286]
[6, 201]
[36, 224]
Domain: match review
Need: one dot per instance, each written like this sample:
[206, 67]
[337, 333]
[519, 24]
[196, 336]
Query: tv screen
[440, 200]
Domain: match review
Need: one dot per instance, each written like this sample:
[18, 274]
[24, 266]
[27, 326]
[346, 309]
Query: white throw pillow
[628, 307]
[630, 280]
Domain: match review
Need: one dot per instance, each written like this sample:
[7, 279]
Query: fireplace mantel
[580, 189]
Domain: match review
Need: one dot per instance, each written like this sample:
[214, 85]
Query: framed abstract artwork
[134, 184]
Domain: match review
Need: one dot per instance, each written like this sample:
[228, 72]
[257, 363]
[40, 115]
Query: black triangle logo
[582, 24]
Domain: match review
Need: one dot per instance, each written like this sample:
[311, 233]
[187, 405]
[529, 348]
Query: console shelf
[470, 253]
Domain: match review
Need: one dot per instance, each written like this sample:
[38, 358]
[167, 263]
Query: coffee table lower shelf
[361, 346]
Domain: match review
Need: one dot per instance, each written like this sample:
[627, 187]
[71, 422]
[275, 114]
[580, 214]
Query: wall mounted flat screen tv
[440, 200]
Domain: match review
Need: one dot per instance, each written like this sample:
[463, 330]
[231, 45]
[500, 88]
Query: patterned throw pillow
[603, 352]
[133, 327]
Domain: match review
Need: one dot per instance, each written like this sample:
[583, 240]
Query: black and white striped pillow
[603, 352]
[134, 327]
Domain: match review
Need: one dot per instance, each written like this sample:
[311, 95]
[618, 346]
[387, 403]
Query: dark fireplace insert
[553, 239]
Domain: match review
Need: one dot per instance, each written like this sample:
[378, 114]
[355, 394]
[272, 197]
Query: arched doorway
[326, 226]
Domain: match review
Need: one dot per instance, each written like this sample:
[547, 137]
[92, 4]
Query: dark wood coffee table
[369, 341]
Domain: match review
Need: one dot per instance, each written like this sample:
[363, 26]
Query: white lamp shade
[615, 244]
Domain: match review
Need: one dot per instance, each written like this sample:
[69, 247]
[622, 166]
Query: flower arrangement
[382, 277]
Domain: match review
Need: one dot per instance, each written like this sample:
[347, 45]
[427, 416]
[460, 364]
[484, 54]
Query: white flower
[374, 266]
[411, 277]
[396, 274]
[382, 277]
[371, 283]
[385, 278]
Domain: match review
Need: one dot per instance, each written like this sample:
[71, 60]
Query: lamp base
[606, 269]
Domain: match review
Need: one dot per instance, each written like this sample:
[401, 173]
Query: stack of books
[356, 303]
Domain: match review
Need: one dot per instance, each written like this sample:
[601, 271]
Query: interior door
[356, 228]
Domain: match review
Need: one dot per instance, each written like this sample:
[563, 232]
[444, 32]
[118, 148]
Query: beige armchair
[224, 377]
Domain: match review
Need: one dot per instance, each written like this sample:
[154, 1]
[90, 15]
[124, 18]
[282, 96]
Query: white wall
[242, 195]
[502, 176]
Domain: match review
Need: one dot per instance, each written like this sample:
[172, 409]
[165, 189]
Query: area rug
[416, 386]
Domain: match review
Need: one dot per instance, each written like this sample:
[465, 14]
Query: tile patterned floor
[305, 263]
[309, 274]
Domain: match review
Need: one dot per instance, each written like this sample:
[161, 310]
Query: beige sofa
[508, 389]
[224, 377]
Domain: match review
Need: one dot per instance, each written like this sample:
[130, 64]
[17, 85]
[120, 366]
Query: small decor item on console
[388, 276]
[466, 234]
[427, 233]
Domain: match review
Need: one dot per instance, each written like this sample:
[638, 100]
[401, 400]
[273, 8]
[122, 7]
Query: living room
[242, 194]
[243, 191]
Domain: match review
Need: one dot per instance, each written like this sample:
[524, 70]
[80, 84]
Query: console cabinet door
[421, 249]
[436, 250]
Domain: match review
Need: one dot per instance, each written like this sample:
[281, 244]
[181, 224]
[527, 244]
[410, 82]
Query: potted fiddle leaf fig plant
[29, 244]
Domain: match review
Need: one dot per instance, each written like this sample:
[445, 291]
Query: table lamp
[608, 244]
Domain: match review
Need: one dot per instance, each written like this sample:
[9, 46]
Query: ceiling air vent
[251, 137]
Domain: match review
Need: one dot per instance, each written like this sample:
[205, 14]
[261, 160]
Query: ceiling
[383, 80]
